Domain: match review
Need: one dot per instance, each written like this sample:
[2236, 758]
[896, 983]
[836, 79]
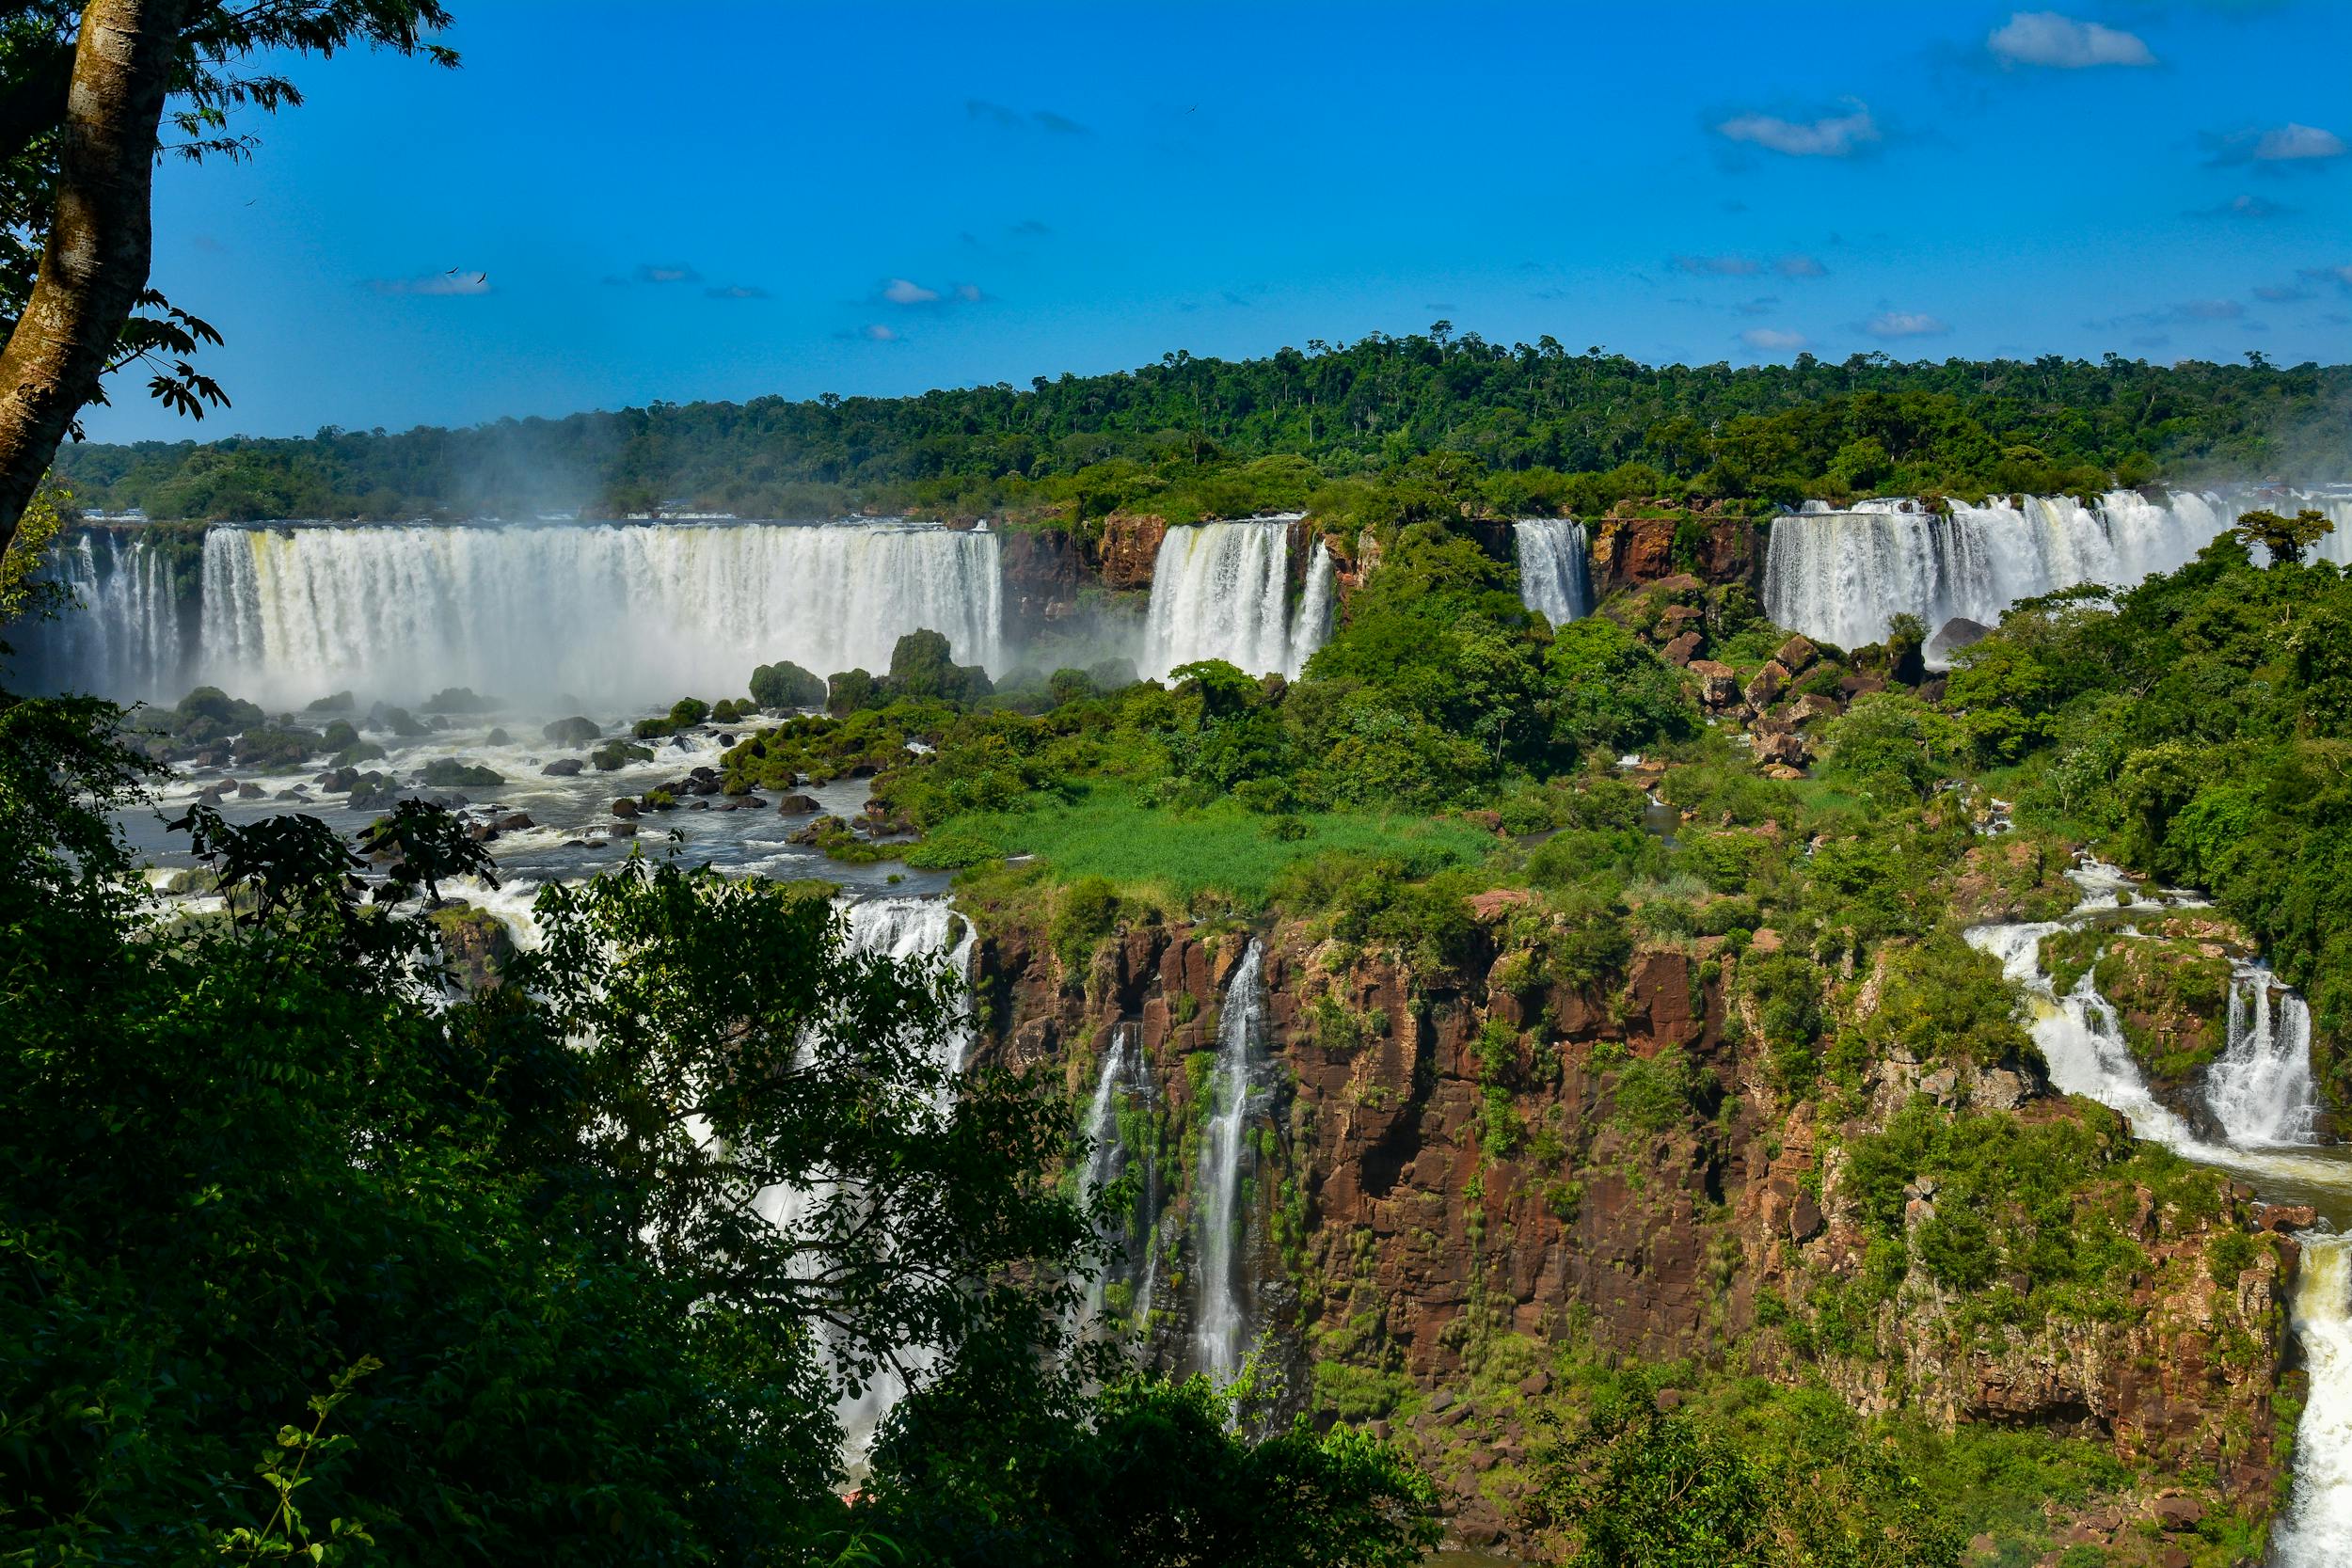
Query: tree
[81, 103]
[2285, 538]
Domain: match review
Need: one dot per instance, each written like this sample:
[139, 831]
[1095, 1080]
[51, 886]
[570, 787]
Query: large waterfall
[1555, 569]
[1844, 576]
[2261, 1094]
[1222, 590]
[612, 613]
[1221, 1314]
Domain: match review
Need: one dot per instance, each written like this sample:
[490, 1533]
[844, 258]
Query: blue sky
[743, 200]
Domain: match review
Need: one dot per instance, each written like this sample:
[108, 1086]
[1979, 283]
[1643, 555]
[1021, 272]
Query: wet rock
[795, 805]
[1787, 748]
[1955, 634]
[572, 732]
[2282, 1217]
[625, 807]
[248, 791]
[563, 767]
[1719, 684]
[620, 830]
[513, 821]
[498, 738]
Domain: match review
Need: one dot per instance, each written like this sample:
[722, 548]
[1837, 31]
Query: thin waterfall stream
[2259, 1094]
[1221, 1316]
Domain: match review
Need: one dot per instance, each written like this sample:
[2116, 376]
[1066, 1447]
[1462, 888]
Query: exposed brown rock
[1798, 653]
[1719, 684]
[1684, 648]
[1128, 548]
[1765, 687]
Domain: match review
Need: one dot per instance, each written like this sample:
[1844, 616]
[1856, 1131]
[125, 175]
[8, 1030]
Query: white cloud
[878, 333]
[901, 290]
[1830, 136]
[666, 272]
[2045, 38]
[441, 283]
[2291, 142]
[1800, 266]
[1767, 339]
[968, 292]
[1905, 324]
[2341, 277]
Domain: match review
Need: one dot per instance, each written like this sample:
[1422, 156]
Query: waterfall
[611, 612]
[1222, 590]
[1312, 627]
[123, 641]
[905, 929]
[2261, 1093]
[1122, 1082]
[2316, 1528]
[2260, 1087]
[1220, 1317]
[1843, 576]
[1555, 577]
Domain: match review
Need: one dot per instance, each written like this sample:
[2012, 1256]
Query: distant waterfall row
[1222, 590]
[1844, 576]
[621, 614]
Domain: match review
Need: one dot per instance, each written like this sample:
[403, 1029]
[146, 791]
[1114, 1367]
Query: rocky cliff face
[1455, 1168]
[1633, 552]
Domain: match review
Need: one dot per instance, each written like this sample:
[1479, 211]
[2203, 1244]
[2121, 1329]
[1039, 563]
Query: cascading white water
[1219, 1319]
[123, 640]
[2260, 1087]
[611, 612]
[1843, 576]
[924, 931]
[1122, 1082]
[1222, 590]
[1312, 626]
[2261, 1093]
[2317, 1530]
[1555, 569]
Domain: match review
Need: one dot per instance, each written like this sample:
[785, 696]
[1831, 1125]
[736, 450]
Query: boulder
[625, 807]
[1767, 685]
[567, 767]
[572, 732]
[796, 805]
[1684, 648]
[1797, 655]
[1810, 706]
[1955, 634]
[622, 830]
[515, 820]
[1719, 685]
[248, 791]
[1784, 747]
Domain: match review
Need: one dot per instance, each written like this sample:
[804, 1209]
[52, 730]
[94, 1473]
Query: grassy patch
[1181, 855]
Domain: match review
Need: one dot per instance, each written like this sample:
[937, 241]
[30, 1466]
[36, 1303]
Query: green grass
[1222, 848]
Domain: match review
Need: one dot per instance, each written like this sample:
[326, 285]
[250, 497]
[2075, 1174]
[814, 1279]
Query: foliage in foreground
[574, 1268]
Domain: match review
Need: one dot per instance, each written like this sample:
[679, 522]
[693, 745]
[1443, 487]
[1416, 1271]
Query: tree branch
[94, 264]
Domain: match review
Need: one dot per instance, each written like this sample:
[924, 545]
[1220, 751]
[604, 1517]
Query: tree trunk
[95, 262]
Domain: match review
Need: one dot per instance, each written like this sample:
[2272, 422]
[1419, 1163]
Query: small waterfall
[1555, 568]
[1122, 1082]
[2081, 1039]
[1222, 590]
[2261, 1093]
[1220, 1317]
[2260, 1087]
[2316, 1529]
[906, 929]
[612, 613]
[1312, 627]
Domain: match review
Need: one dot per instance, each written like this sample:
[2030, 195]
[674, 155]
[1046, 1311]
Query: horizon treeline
[1385, 426]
